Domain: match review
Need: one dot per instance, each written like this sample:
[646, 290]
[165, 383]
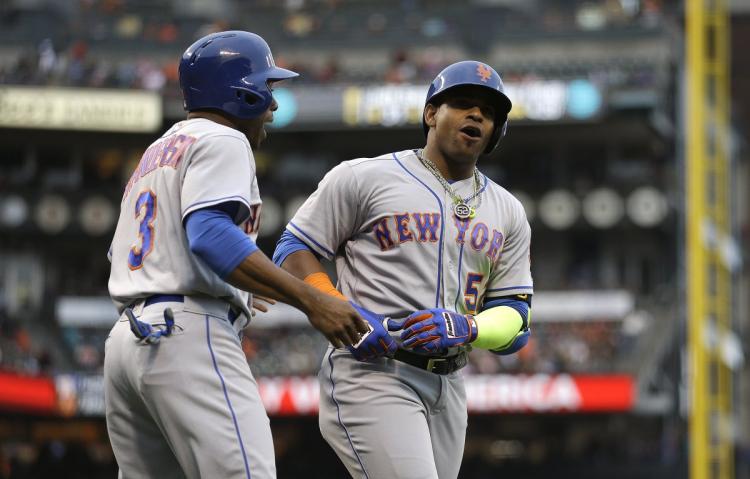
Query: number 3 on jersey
[145, 210]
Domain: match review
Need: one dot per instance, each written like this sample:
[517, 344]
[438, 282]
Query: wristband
[322, 282]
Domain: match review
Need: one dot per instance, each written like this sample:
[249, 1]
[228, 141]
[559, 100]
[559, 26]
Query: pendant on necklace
[463, 211]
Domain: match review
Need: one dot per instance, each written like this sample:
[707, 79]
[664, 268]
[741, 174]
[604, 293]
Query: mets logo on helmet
[484, 72]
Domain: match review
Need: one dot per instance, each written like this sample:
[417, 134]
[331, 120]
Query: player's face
[463, 123]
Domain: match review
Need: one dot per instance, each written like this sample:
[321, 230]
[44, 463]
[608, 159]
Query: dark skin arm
[334, 318]
[302, 263]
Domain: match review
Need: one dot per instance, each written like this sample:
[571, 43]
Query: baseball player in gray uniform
[441, 252]
[179, 395]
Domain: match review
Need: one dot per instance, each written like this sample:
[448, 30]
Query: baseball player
[442, 253]
[180, 399]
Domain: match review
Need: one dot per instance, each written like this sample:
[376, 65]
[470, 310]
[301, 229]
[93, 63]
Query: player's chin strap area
[147, 333]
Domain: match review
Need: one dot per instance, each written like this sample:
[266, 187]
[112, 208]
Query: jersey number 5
[145, 209]
[471, 295]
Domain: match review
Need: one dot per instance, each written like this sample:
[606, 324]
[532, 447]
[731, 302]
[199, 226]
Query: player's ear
[430, 111]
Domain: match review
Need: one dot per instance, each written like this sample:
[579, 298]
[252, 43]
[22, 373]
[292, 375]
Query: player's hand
[258, 303]
[435, 330]
[376, 342]
[338, 321]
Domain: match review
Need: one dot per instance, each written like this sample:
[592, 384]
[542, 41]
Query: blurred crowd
[19, 352]
[170, 22]
[75, 66]
[131, 44]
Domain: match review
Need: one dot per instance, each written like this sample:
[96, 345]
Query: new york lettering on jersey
[395, 230]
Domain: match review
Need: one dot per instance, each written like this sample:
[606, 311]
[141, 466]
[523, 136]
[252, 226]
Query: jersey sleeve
[512, 274]
[331, 214]
[220, 169]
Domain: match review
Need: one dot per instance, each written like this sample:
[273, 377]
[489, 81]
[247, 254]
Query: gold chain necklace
[461, 207]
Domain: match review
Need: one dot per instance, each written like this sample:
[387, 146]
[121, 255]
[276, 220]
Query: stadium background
[595, 151]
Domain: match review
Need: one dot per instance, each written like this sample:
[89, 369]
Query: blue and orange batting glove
[376, 342]
[436, 330]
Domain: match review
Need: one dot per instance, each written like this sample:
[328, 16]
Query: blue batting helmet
[478, 74]
[230, 71]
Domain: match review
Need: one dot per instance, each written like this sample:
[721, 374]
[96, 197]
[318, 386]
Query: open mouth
[471, 131]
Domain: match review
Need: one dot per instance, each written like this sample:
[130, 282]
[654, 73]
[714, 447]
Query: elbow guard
[503, 327]
[518, 342]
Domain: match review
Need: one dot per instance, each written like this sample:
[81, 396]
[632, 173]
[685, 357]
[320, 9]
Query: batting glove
[376, 342]
[436, 330]
[145, 332]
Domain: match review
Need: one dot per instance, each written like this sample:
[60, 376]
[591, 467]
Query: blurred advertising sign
[91, 109]
[544, 393]
[553, 100]
[502, 393]
[537, 100]
[533, 100]
[306, 106]
[390, 105]
[80, 394]
[26, 393]
[85, 311]
[83, 394]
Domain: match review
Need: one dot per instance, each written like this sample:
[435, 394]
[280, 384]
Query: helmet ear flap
[248, 97]
[497, 135]
[250, 103]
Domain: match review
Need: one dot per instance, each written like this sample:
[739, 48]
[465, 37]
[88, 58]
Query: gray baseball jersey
[398, 247]
[189, 405]
[195, 164]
